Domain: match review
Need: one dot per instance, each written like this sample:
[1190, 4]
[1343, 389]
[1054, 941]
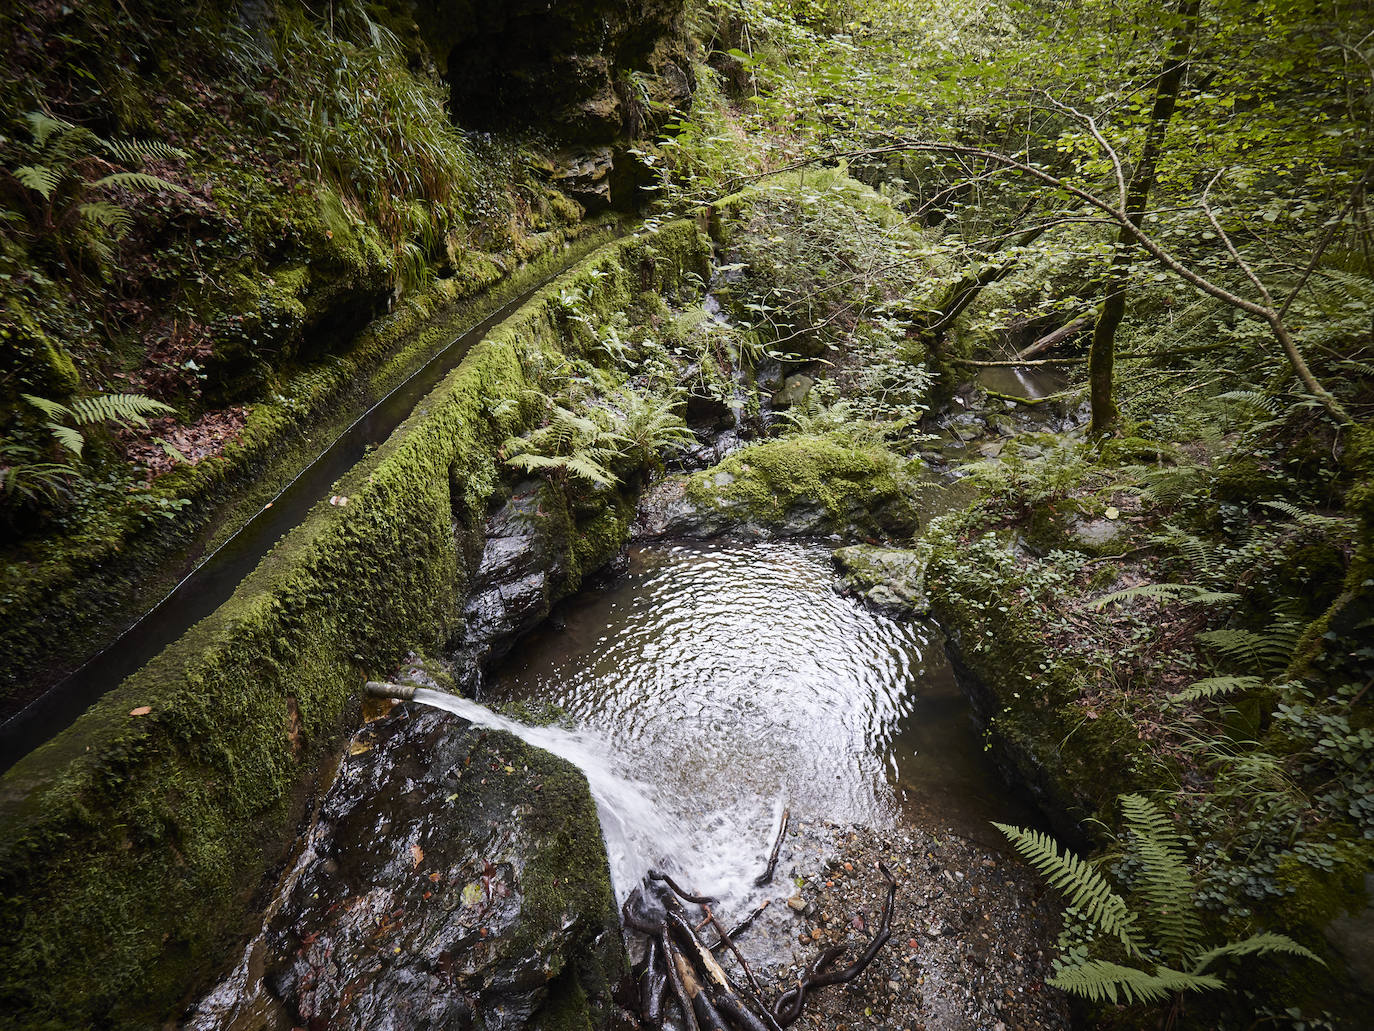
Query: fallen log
[1058, 336]
[677, 960]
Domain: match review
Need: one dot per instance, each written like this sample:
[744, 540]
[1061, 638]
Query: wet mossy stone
[455, 877]
[795, 486]
[890, 580]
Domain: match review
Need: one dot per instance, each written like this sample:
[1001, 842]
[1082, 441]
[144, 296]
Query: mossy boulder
[454, 877]
[802, 485]
[891, 580]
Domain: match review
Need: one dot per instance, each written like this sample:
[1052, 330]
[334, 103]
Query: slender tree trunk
[1102, 355]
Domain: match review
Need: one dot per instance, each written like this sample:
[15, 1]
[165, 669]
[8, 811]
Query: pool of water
[732, 679]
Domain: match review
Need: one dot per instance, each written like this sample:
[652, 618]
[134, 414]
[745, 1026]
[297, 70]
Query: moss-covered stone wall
[133, 844]
[83, 587]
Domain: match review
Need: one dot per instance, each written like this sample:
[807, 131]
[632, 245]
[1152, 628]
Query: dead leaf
[417, 854]
[358, 748]
[141, 710]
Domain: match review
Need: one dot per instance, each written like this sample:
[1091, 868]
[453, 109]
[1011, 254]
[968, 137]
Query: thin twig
[767, 876]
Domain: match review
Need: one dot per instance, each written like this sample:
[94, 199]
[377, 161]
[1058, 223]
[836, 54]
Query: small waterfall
[638, 833]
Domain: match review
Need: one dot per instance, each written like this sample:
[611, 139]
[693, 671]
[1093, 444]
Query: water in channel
[713, 682]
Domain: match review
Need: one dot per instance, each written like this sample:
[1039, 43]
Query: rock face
[586, 72]
[454, 878]
[538, 549]
[890, 580]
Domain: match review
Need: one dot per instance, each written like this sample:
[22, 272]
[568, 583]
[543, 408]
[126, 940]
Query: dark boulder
[454, 878]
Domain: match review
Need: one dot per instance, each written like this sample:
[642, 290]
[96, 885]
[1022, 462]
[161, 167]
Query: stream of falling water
[713, 682]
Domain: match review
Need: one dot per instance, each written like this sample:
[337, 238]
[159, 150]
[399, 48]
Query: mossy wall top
[132, 844]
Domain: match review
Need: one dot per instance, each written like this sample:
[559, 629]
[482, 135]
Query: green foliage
[1212, 688]
[1164, 931]
[120, 409]
[361, 121]
[1087, 890]
[69, 191]
[567, 446]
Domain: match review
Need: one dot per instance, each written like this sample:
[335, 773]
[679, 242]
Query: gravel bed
[972, 932]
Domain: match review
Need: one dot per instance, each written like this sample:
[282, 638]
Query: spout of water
[381, 689]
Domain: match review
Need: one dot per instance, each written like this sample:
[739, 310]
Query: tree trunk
[1101, 357]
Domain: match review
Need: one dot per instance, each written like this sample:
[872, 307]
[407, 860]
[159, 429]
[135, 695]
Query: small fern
[1253, 399]
[1211, 688]
[64, 421]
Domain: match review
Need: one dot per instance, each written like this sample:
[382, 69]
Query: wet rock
[534, 554]
[584, 175]
[1095, 534]
[891, 580]
[511, 591]
[794, 391]
[453, 879]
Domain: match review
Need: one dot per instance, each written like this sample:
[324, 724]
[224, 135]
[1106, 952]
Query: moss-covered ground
[139, 834]
[315, 227]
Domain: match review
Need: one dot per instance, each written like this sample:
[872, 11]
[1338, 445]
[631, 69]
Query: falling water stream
[714, 682]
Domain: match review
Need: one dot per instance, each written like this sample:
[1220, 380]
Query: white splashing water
[639, 833]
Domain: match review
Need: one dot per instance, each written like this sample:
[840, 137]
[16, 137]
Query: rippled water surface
[729, 678]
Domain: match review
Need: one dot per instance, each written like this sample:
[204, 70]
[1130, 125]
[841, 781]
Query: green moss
[1074, 759]
[862, 486]
[139, 839]
[86, 584]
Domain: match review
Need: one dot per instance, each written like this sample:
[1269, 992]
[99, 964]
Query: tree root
[678, 961]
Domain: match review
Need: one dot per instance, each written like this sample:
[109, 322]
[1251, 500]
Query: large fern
[69, 184]
[1086, 889]
[1167, 925]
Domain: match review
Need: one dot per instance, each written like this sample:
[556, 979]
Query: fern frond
[1265, 650]
[1188, 594]
[1210, 688]
[1100, 981]
[1286, 507]
[1254, 399]
[39, 178]
[117, 408]
[69, 438]
[136, 181]
[1167, 885]
[1256, 945]
[52, 409]
[1162, 592]
[111, 216]
[1170, 486]
[43, 126]
[130, 152]
[1086, 888]
[587, 469]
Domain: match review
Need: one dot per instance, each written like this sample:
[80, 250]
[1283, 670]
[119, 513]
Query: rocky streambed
[453, 876]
